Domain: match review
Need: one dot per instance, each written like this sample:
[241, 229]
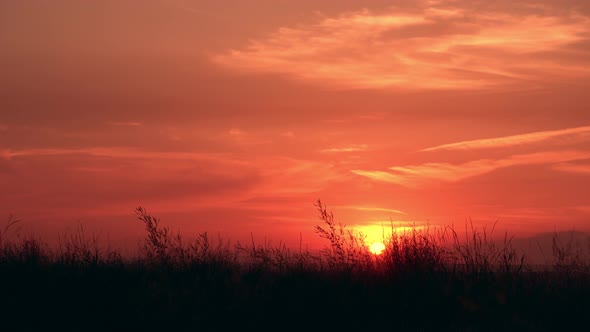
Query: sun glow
[377, 248]
[375, 234]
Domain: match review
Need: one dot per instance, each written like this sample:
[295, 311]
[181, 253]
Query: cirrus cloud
[578, 133]
[423, 174]
[573, 168]
[438, 47]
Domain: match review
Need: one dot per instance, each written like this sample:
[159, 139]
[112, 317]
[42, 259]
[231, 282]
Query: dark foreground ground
[219, 298]
[417, 284]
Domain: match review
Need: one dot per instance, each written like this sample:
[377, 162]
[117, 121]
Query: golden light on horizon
[380, 231]
[377, 248]
[375, 234]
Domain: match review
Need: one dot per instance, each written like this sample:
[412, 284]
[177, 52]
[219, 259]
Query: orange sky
[236, 116]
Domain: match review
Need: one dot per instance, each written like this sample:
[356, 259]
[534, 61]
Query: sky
[235, 117]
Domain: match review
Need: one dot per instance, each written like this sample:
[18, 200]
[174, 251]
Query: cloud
[278, 175]
[351, 148]
[573, 168]
[236, 132]
[72, 181]
[377, 116]
[370, 209]
[288, 134]
[241, 137]
[288, 176]
[507, 141]
[437, 47]
[419, 175]
[124, 153]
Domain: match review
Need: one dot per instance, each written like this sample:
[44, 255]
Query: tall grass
[429, 249]
[161, 247]
[428, 278]
[346, 249]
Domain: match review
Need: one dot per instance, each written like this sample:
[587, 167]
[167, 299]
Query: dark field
[423, 281]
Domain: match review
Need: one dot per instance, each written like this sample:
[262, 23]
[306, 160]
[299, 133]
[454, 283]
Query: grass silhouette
[428, 279]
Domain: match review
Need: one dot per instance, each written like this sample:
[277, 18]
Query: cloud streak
[288, 176]
[573, 168]
[507, 141]
[115, 152]
[370, 209]
[351, 148]
[423, 174]
[436, 48]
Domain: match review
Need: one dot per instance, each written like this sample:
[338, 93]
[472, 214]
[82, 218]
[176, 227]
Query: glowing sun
[377, 248]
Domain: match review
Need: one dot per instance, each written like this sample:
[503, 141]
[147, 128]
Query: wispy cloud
[242, 137]
[439, 47]
[114, 153]
[288, 134]
[350, 148]
[573, 168]
[419, 175]
[295, 176]
[507, 141]
[583, 208]
[236, 132]
[370, 209]
[281, 176]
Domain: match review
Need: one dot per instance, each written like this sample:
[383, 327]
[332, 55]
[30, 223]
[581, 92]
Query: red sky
[236, 116]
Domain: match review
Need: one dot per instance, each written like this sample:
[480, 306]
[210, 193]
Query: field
[427, 280]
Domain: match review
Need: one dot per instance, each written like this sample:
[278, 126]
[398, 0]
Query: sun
[377, 248]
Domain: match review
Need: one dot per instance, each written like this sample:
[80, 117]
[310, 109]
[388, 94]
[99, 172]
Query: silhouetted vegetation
[429, 279]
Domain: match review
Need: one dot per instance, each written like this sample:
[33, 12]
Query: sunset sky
[236, 116]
